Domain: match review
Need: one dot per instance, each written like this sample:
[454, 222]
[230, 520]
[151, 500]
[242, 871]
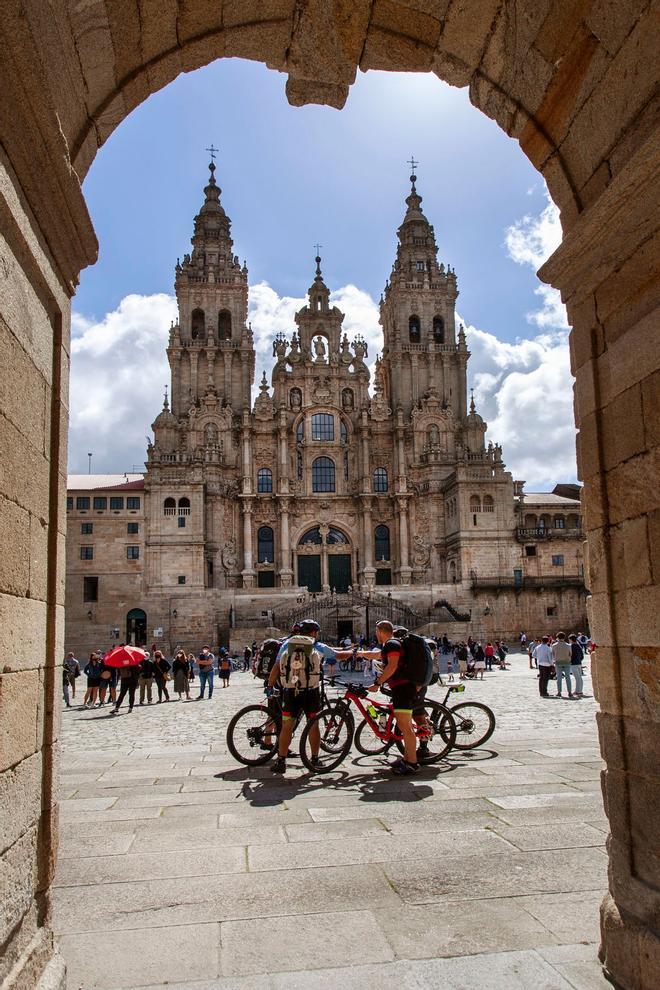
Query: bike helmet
[400, 632]
[308, 627]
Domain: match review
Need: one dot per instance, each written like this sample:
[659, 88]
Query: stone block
[17, 881]
[356, 938]
[23, 406]
[20, 799]
[38, 557]
[654, 543]
[636, 552]
[25, 471]
[623, 427]
[619, 946]
[643, 608]
[633, 356]
[18, 716]
[137, 960]
[636, 278]
[632, 488]
[15, 542]
[651, 408]
[115, 865]
[23, 641]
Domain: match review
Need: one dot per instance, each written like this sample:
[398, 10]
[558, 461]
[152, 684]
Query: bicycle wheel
[336, 731]
[252, 735]
[331, 740]
[439, 737]
[367, 742]
[475, 724]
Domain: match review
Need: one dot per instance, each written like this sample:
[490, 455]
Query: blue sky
[294, 176]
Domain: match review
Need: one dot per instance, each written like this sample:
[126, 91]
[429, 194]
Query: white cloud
[523, 389]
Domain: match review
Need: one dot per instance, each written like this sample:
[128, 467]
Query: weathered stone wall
[575, 83]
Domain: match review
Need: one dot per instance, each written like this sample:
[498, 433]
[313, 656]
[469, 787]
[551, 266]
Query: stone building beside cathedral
[373, 497]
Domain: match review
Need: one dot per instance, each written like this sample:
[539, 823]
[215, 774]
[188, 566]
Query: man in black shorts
[405, 695]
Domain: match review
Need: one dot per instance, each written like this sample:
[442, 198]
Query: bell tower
[417, 313]
[211, 347]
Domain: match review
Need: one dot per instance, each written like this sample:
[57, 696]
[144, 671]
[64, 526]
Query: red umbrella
[124, 656]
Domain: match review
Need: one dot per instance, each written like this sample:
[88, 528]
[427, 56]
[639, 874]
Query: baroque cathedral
[332, 481]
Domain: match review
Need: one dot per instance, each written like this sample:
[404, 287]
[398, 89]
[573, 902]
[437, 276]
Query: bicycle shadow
[377, 785]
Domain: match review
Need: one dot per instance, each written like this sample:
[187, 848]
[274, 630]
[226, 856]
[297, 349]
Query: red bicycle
[435, 729]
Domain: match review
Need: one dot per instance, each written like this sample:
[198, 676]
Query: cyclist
[305, 696]
[405, 695]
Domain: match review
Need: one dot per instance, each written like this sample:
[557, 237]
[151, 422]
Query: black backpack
[267, 657]
[417, 660]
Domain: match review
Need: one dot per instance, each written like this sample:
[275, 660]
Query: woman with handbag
[162, 669]
[92, 672]
[181, 672]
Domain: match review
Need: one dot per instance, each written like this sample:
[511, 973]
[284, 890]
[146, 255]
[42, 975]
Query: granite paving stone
[484, 871]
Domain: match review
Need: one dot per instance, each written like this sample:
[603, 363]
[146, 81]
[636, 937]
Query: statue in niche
[210, 433]
[347, 399]
[229, 558]
[319, 350]
[434, 435]
[295, 398]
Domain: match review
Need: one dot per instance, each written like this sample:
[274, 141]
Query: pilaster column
[414, 375]
[210, 367]
[283, 466]
[405, 569]
[325, 570]
[286, 573]
[194, 358]
[228, 357]
[368, 571]
[248, 568]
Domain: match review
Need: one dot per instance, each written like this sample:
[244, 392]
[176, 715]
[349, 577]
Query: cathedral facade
[331, 482]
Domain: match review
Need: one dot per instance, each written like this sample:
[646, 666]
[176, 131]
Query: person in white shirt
[543, 657]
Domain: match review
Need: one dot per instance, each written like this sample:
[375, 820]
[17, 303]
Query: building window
[169, 507]
[132, 528]
[265, 545]
[224, 325]
[551, 610]
[336, 536]
[265, 579]
[132, 502]
[90, 589]
[530, 551]
[181, 579]
[560, 522]
[87, 528]
[69, 502]
[489, 505]
[311, 536]
[117, 502]
[382, 542]
[475, 503]
[323, 475]
[438, 330]
[380, 480]
[383, 575]
[197, 323]
[133, 553]
[184, 506]
[557, 560]
[82, 502]
[420, 266]
[100, 502]
[323, 426]
[414, 329]
[181, 522]
[264, 481]
[87, 553]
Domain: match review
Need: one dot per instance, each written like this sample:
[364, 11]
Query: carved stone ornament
[228, 556]
[379, 409]
[322, 391]
[422, 554]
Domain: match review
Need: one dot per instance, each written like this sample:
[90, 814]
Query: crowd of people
[109, 685]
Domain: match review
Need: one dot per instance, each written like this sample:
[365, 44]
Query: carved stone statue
[279, 347]
[295, 398]
[434, 435]
[210, 433]
[319, 350]
[347, 398]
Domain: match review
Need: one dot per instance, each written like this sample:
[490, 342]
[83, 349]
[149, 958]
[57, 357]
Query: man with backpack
[407, 671]
[297, 671]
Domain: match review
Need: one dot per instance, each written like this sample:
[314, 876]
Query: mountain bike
[475, 722]
[253, 732]
[435, 730]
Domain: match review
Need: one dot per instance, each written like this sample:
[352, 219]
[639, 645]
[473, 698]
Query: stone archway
[574, 83]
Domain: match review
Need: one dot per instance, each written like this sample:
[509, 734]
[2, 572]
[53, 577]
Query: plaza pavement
[180, 869]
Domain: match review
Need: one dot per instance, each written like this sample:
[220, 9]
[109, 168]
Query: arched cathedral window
[265, 545]
[224, 325]
[382, 542]
[197, 324]
[438, 330]
[380, 479]
[414, 329]
[323, 475]
[264, 481]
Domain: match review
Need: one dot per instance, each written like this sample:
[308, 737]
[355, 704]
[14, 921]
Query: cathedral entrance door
[340, 572]
[309, 572]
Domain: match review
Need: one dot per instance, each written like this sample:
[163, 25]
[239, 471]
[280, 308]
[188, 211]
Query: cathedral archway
[73, 93]
[197, 324]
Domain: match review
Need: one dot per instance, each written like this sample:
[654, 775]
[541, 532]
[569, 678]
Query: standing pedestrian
[146, 679]
[66, 684]
[162, 668]
[92, 672]
[480, 660]
[543, 658]
[247, 656]
[71, 671]
[181, 674]
[577, 657]
[489, 653]
[561, 655]
[530, 653]
[205, 662]
[224, 669]
[128, 679]
[462, 654]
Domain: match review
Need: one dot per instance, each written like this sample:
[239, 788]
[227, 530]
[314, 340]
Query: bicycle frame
[390, 733]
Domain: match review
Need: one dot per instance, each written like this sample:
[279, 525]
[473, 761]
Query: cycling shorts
[407, 697]
[308, 700]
